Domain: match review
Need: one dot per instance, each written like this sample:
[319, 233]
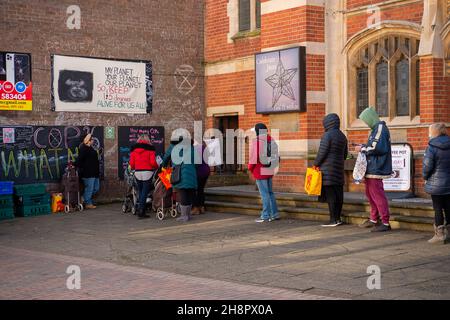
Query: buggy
[71, 186]
[164, 201]
[131, 198]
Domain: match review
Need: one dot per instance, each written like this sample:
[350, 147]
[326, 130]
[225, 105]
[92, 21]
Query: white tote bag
[359, 171]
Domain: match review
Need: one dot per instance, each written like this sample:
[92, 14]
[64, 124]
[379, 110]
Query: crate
[30, 211]
[6, 202]
[6, 187]
[29, 189]
[33, 200]
[6, 213]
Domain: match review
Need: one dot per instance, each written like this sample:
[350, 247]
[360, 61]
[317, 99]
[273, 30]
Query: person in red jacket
[143, 162]
[263, 173]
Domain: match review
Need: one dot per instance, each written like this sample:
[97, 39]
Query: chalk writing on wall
[127, 136]
[41, 153]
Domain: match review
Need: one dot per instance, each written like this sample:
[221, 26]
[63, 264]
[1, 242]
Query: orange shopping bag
[164, 175]
[313, 181]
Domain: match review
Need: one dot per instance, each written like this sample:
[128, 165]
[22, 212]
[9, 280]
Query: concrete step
[245, 200]
[320, 214]
[303, 201]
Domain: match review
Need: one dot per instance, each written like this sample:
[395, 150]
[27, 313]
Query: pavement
[215, 256]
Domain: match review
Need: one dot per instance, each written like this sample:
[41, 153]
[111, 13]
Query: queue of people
[330, 161]
[191, 176]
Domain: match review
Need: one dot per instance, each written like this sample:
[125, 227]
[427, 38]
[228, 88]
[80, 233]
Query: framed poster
[15, 81]
[280, 78]
[81, 84]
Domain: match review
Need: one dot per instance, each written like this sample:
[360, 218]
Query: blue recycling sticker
[21, 87]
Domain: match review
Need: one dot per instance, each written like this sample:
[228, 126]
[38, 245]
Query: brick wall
[169, 35]
[358, 21]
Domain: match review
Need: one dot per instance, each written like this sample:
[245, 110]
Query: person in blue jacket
[379, 167]
[436, 173]
[181, 152]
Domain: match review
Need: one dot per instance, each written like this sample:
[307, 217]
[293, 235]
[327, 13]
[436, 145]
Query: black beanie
[260, 126]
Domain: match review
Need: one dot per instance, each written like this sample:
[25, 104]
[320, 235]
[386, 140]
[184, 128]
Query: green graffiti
[56, 160]
[11, 162]
[42, 158]
[72, 156]
[25, 156]
[36, 172]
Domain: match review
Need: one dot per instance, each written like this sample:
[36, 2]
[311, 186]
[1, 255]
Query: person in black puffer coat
[330, 159]
[436, 173]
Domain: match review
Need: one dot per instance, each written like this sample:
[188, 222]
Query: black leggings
[335, 199]
[440, 204]
[185, 196]
[199, 200]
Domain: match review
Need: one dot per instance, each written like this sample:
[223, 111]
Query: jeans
[143, 189]
[441, 204]
[270, 209]
[91, 187]
[335, 199]
[378, 202]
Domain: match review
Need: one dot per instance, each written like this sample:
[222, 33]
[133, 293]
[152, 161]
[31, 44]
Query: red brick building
[387, 54]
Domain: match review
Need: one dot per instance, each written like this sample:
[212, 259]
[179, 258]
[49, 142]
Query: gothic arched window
[386, 75]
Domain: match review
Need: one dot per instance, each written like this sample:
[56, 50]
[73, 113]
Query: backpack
[273, 157]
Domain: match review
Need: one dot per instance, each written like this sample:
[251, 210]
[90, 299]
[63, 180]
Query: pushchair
[71, 186]
[131, 198]
[164, 200]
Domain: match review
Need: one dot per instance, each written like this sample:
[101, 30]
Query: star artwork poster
[281, 81]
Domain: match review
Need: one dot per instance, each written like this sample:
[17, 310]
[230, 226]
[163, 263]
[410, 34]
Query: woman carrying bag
[330, 159]
[184, 175]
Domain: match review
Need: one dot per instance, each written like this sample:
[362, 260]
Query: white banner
[100, 85]
[401, 165]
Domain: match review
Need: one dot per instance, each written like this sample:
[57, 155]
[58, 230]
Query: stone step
[320, 214]
[303, 201]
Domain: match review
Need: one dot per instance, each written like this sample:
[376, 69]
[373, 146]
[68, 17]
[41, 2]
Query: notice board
[32, 154]
[127, 136]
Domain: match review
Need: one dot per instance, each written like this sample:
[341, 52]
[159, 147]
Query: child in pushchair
[130, 202]
[164, 198]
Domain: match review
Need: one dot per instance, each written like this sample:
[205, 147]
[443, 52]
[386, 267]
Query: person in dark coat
[330, 159]
[88, 166]
[143, 162]
[203, 172]
[436, 173]
[185, 188]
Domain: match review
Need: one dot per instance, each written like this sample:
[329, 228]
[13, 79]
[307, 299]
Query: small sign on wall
[110, 133]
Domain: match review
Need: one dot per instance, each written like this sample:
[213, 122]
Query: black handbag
[175, 177]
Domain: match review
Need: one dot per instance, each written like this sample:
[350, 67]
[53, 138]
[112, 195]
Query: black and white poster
[81, 84]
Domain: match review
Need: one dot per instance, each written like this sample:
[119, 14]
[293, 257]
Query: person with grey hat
[262, 168]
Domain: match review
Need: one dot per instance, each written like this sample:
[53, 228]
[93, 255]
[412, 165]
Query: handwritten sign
[41, 153]
[128, 136]
[101, 85]
[401, 165]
